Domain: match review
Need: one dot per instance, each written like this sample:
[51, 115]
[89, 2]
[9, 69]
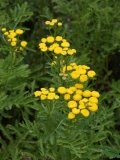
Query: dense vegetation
[40, 118]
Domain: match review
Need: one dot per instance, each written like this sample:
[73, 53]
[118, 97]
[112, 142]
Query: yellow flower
[69, 68]
[85, 112]
[73, 89]
[47, 22]
[73, 64]
[87, 93]
[12, 35]
[85, 100]
[54, 20]
[75, 67]
[81, 102]
[6, 33]
[83, 78]
[71, 115]
[78, 85]
[54, 62]
[9, 40]
[19, 31]
[65, 49]
[95, 94]
[45, 91]
[69, 91]
[50, 39]
[85, 67]
[52, 24]
[78, 91]
[93, 107]
[75, 74]
[64, 40]
[59, 24]
[66, 97]
[74, 50]
[55, 45]
[70, 52]
[51, 96]
[81, 106]
[43, 40]
[75, 111]
[65, 44]
[51, 48]
[61, 90]
[3, 29]
[93, 100]
[14, 39]
[43, 97]
[82, 71]
[77, 97]
[51, 89]
[58, 50]
[13, 44]
[37, 93]
[56, 97]
[12, 30]
[23, 43]
[63, 53]
[42, 45]
[91, 73]
[72, 104]
[44, 49]
[58, 38]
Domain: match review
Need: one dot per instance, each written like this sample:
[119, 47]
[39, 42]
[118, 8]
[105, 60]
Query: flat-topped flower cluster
[78, 99]
[11, 36]
[58, 45]
[81, 72]
[53, 22]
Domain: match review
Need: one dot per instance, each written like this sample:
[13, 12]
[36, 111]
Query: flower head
[19, 31]
[85, 112]
[76, 111]
[59, 24]
[61, 90]
[23, 43]
[91, 73]
[50, 39]
[71, 115]
[72, 104]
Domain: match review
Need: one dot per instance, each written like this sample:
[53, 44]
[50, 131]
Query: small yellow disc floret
[50, 39]
[71, 115]
[61, 90]
[72, 104]
[85, 112]
[23, 43]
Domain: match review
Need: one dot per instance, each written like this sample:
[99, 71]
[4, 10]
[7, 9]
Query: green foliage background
[92, 27]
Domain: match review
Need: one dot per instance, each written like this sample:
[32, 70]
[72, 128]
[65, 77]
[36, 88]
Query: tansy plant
[70, 87]
[13, 38]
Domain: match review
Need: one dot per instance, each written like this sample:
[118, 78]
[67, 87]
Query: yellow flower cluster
[57, 44]
[81, 72]
[44, 94]
[53, 22]
[79, 101]
[11, 36]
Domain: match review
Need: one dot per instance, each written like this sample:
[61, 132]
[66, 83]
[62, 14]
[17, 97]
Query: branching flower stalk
[68, 90]
[11, 36]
